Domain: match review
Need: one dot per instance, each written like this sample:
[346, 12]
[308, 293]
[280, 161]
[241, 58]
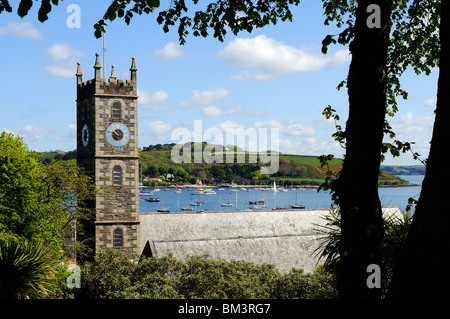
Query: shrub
[207, 278]
[107, 275]
[298, 285]
[26, 269]
[115, 274]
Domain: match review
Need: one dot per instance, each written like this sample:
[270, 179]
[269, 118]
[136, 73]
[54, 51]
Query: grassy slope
[308, 159]
[311, 166]
[335, 165]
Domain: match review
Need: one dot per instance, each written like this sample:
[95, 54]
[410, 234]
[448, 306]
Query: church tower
[107, 148]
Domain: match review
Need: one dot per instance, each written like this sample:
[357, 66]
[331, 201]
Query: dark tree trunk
[422, 271]
[357, 185]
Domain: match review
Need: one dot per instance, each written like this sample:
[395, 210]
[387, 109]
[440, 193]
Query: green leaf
[160, 19]
[120, 13]
[326, 42]
[4, 5]
[154, 4]
[24, 7]
[111, 12]
[45, 8]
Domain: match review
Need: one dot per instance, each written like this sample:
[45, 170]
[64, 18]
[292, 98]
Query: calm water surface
[238, 199]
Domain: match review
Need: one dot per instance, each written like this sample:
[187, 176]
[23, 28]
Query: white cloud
[430, 103]
[35, 133]
[65, 58]
[407, 124]
[72, 131]
[170, 51]
[288, 128]
[158, 131]
[158, 127]
[21, 30]
[214, 111]
[409, 128]
[269, 58]
[229, 124]
[269, 124]
[206, 97]
[65, 70]
[62, 51]
[154, 101]
[32, 132]
[299, 130]
[310, 146]
[253, 76]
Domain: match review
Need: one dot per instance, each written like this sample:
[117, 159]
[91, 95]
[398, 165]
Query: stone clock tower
[107, 148]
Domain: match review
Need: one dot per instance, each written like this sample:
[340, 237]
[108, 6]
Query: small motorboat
[152, 199]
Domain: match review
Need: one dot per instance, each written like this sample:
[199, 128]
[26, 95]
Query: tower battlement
[99, 85]
[106, 83]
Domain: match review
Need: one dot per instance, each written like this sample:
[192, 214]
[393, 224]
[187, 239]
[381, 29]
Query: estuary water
[232, 199]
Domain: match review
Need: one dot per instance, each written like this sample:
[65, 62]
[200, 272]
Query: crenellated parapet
[100, 86]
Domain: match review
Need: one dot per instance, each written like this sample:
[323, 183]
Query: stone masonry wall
[115, 206]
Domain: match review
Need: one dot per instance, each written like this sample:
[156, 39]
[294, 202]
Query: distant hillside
[293, 169]
[404, 170]
[156, 163]
[309, 159]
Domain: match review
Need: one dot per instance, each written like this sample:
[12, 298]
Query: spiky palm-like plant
[396, 227]
[26, 269]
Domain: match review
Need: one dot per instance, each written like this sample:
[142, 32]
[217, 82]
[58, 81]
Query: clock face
[117, 134]
[85, 135]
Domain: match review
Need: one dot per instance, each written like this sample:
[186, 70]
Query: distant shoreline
[260, 186]
[396, 186]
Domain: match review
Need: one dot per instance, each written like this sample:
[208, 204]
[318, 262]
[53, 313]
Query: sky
[273, 80]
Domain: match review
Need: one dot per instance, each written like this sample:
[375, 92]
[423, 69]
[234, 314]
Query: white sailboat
[225, 204]
[274, 187]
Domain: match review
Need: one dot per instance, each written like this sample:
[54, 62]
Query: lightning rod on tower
[104, 56]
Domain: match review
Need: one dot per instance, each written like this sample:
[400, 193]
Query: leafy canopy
[414, 43]
[39, 201]
[237, 15]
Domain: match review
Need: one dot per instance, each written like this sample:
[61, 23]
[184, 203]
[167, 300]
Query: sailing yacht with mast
[297, 206]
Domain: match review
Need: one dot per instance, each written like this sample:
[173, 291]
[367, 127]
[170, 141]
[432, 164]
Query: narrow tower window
[118, 238]
[116, 111]
[117, 175]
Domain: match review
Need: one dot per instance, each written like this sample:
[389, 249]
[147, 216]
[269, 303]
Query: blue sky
[275, 77]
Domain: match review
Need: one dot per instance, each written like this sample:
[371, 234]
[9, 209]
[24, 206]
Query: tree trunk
[422, 271]
[357, 185]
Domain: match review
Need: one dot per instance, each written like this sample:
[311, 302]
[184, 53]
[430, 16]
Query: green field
[156, 162]
[308, 159]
